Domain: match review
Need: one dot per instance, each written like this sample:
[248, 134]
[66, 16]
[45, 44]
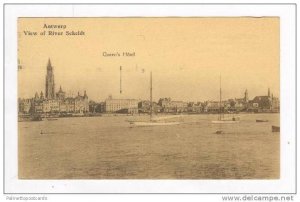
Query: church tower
[50, 85]
[246, 97]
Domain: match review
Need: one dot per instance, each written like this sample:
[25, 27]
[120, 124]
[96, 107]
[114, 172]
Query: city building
[265, 103]
[170, 106]
[230, 105]
[25, 105]
[69, 104]
[213, 107]
[53, 103]
[95, 107]
[195, 107]
[60, 94]
[81, 103]
[144, 107]
[129, 106]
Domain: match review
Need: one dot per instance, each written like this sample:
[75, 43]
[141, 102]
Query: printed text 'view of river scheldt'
[149, 98]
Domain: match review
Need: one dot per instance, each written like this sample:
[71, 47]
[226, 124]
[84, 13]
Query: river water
[108, 148]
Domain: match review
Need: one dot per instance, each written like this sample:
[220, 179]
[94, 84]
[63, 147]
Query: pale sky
[185, 55]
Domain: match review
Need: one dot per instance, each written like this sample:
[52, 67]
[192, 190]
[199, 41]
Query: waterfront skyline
[186, 56]
[65, 63]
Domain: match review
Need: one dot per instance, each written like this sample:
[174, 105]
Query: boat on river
[262, 120]
[156, 121]
[275, 128]
[221, 118]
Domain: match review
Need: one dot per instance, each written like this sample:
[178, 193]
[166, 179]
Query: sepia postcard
[149, 98]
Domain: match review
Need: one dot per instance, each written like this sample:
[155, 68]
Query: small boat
[226, 121]
[221, 118]
[275, 128]
[262, 120]
[219, 132]
[160, 118]
[155, 121]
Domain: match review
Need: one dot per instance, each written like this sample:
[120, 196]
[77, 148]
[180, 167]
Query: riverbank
[43, 117]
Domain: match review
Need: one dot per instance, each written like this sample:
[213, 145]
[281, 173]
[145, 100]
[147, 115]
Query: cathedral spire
[50, 85]
[49, 66]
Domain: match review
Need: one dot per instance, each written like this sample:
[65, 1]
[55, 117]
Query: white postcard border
[286, 184]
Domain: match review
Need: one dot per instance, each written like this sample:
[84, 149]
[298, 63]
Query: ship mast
[120, 79]
[151, 105]
[220, 104]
